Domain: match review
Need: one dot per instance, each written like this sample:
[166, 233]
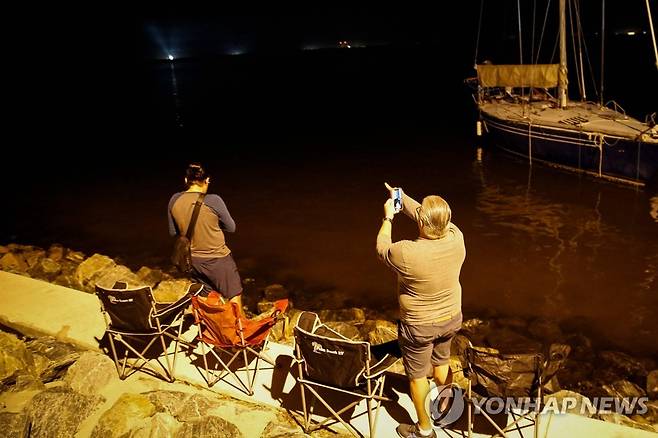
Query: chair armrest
[164, 309]
[382, 366]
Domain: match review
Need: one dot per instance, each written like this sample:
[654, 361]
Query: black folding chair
[516, 379]
[136, 321]
[328, 360]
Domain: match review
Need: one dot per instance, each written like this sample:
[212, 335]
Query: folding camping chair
[136, 321]
[518, 378]
[223, 328]
[326, 359]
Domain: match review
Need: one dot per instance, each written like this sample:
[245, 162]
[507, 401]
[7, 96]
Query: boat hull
[613, 158]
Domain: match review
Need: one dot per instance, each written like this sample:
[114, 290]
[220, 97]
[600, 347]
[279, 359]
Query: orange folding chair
[225, 330]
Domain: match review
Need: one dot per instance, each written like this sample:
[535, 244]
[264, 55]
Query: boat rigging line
[602, 49]
[653, 34]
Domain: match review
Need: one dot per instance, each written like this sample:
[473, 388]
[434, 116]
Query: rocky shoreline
[38, 370]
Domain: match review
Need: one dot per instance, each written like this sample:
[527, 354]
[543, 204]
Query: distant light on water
[630, 33]
[170, 57]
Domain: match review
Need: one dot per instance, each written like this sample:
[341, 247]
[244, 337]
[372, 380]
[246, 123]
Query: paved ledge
[35, 307]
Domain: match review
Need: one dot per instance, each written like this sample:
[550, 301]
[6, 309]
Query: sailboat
[518, 113]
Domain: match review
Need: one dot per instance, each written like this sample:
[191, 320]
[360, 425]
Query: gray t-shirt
[208, 240]
[428, 272]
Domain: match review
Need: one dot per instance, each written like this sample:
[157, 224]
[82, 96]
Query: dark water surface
[300, 153]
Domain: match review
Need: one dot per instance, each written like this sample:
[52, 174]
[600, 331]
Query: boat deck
[586, 117]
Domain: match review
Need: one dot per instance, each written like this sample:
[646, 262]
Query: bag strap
[195, 215]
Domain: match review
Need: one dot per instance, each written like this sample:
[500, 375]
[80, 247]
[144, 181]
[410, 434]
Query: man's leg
[416, 346]
[443, 376]
[419, 388]
[238, 300]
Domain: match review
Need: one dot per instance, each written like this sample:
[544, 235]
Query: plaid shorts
[426, 344]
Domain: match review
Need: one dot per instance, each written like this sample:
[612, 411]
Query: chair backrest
[129, 309]
[504, 375]
[221, 321]
[329, 357]
[224, 325]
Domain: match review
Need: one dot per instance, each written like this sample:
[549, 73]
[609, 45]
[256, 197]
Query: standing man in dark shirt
[429, 294]
[211, 257]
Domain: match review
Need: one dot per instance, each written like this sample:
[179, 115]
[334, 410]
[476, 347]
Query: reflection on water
[584, 252]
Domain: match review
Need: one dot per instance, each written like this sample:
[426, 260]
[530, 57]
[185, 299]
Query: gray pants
[220, 274]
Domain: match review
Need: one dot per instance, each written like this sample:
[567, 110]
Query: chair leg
[379, 403]
[470, 411]
[114, 354]
[369, 408]
[205, 362]
[250, 388]
[301, 388]
[336, 414]
[180, 333]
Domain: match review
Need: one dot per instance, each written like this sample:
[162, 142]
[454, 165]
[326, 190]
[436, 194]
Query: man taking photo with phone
[429, 294]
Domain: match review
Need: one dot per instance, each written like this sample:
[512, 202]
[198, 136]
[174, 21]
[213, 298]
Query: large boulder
[13, 262]
[275, 292]
[169, 291]
[574, 372]
[91, 373]
[46, 269]
[623, 389]
[209, 427]
[163, 425]
[353, 315]
[613, 417]
[622, 364]
[15, 358]
[56, 252]
[652, 412]
[581, 347]
[346, 329]
[170, 402]
[14, 425]
[51, 357]
[510, 341]
[379, 331]
[76, 257]
[33, 256]
[277, 430]
[130, 413]
[116, 273]
[545, 330]
[89, 271]
[512, 322]
[476, 330]
[293, 318]
[652, 384]
[570, 402]
[58, 412]
[152, 277]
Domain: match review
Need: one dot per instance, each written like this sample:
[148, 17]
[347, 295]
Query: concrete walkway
[38, 308]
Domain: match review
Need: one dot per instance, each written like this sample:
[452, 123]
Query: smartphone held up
[396, 195]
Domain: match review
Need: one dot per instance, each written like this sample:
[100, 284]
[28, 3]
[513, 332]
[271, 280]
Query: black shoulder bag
[181, 257]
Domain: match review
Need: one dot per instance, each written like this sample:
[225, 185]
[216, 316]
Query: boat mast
[562, 76]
